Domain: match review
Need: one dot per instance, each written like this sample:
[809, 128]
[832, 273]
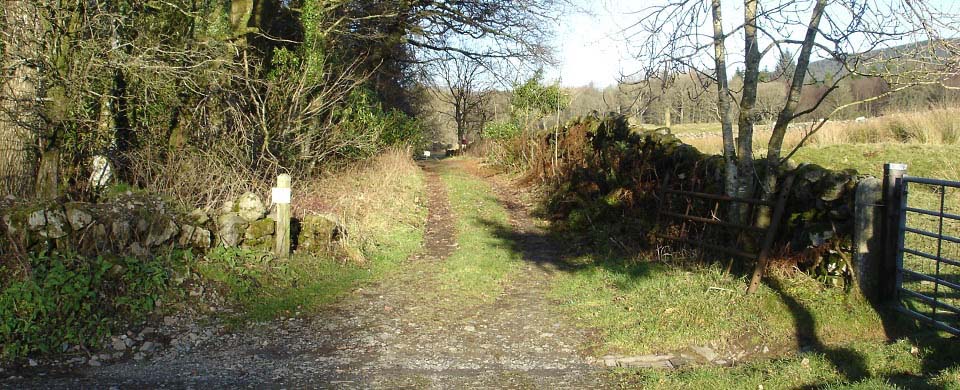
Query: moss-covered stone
[318, 232]
[259, 229]
[832, 186]
[162, 230]
[121, 232]
[78, 215]
[811, 172]
[198, 217]
[91, 229]
[262, 244]
[611, 173]
[195, 237]
[48, 223]
[250, 207]
[95, 239]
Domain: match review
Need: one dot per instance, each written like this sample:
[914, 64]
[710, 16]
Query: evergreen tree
[785, 66]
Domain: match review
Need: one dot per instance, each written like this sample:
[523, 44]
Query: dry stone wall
[140, 225]
[609, 170]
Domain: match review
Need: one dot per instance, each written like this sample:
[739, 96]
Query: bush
[499, 131]
[509, 145]
[240, 272]
[69, 299]
[901, 132]
[366, 129]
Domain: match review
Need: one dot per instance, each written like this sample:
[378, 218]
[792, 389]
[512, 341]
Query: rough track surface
[389, 335]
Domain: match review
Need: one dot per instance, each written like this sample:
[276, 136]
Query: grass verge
[483, 262]
[379, 204]
[646, 307]
[861, 365]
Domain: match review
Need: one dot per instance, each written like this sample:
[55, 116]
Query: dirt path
[391, 335]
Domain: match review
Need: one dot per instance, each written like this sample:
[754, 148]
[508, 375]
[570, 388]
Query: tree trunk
[772, 161]
[748, 116]
[18, 93]
[682, 119]
[724, 103]
[775, 145]
[240, 13]
[48, 175]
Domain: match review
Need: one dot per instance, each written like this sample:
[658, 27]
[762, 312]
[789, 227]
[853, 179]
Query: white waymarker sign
[280, 195]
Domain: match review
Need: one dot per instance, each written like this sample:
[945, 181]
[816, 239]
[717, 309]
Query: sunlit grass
[647, 307]
[860, 365]
[382, 215]
[483, 262]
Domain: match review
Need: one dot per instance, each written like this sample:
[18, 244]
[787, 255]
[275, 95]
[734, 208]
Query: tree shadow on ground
[555, 252]
[851, 364]
[551, 252]
[938, 351]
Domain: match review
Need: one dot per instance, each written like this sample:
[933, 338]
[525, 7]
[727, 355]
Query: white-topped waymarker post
[281, 197]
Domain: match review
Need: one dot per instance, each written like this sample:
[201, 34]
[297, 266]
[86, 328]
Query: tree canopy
[250, 86]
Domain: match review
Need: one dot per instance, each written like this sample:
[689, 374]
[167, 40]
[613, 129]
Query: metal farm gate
[928, 251]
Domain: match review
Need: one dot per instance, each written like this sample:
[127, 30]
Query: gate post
[868, 238]
[892, 175]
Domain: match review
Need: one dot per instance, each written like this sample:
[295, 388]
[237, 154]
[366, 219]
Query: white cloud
[591, 47]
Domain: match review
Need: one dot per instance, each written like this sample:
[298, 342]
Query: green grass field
[646, 307]
[940, 161]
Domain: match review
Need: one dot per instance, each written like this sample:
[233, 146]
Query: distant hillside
[830, 67]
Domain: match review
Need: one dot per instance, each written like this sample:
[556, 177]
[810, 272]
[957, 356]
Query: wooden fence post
[892, 175]
[281, 197]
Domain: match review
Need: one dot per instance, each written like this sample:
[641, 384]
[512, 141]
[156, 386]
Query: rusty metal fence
[710, 231]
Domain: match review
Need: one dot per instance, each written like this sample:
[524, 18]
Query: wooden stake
[281, 197]
[763, 258]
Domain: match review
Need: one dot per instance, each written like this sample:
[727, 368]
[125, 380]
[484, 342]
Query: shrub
[509, 145]
[899, 131]
[70, 299]
[364, 128]
[239, 272]
[499, 131]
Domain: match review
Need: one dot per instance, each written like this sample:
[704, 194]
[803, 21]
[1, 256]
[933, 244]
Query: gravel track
[387, 335]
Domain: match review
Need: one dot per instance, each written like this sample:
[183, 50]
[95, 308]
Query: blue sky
[592, 48]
